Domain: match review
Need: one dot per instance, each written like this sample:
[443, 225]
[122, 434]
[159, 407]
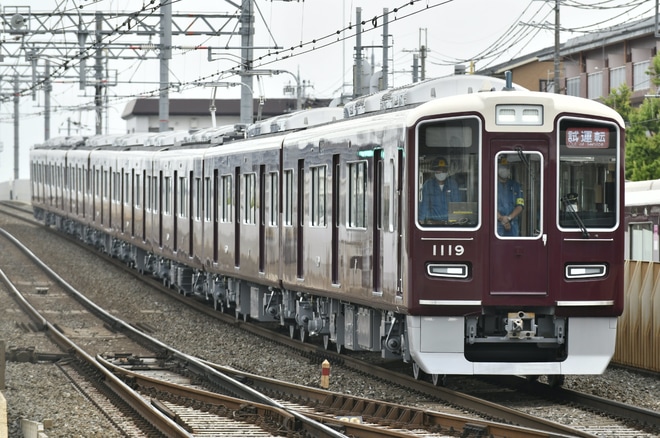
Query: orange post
[325, 374]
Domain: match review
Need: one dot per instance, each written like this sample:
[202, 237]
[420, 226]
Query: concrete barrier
[32, 429]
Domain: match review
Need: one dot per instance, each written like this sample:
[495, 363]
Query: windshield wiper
[568, 206]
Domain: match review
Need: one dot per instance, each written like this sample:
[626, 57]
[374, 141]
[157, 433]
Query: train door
[518, 250]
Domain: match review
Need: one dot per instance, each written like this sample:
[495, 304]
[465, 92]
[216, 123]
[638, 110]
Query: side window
[207, 199]
[105, 184]
[127, 189]
[250, 200]
[167, 195]
[225, 198]
[138, 191]
[148, 194]
[357, 194]
[183, 197]
[198, 198]
[288, 197]
[272, 191]
[641, 241]
[318, 196]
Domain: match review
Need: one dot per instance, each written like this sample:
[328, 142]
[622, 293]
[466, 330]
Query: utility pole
[422, 51]
[556, 60]
[98, 75]
[385, 69]
[247, 40]
[48, 87]
[16, 118]
[165, 56]
[357, 81]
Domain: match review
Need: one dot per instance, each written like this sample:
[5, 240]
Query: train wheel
[439, 379]
[417, 371]
[556, 380]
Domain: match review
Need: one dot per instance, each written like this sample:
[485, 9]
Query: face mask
[441, 176]
[503, 172]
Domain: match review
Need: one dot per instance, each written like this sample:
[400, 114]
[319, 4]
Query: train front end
[515, 234]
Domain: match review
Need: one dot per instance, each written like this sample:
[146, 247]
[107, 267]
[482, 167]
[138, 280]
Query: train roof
[296, 120]
[420, 92]
[642, 193]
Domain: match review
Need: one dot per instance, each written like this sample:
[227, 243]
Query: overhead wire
[510, 38]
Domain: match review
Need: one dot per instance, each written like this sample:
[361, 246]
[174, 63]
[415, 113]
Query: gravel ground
[39, 391]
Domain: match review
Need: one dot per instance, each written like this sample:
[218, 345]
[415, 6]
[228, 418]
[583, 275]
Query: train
[642, 218]
[324, 224]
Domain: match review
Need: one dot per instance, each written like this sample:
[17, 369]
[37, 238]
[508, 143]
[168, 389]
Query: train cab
[516, 233]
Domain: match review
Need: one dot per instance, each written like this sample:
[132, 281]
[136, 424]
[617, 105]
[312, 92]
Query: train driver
[510, 200]
[437, 193]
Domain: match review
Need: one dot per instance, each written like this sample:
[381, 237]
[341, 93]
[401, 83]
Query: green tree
[643, 142]
[619, 100]
[642, 128]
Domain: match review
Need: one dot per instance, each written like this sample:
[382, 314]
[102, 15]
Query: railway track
[170, 403]
[77, 325]
[448, 397]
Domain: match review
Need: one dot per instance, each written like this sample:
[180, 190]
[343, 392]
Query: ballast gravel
[40, 392]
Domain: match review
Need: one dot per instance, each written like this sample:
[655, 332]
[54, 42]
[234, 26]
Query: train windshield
[448, 173]
[588, 174]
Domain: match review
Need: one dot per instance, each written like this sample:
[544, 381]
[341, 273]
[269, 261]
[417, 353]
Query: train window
[518, 194]
[225, 199]
[250, 198]
[148, 194]
[116, 187]
[588, 174]
[138, 191]
[167, 195]
[208, 211]
[106, 184]
[273, 197]
[641, 241]
[198, 198]
[448, 179]
[288, 197]
[155, 205]
[357, 194]
[127, 188]
[183, 197]
[318, 196]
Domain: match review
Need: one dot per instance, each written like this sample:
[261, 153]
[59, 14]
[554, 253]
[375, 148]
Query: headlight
[448, 270]
[585, 271]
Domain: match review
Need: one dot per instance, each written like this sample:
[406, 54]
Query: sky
[312, 39]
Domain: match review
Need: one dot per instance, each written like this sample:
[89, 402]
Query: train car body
[337, 229]
[642, 219]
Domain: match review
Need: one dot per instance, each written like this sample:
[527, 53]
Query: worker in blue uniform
[510, 200]
[437, 193]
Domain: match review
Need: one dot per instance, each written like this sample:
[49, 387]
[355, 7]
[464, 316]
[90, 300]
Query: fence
[638, 334]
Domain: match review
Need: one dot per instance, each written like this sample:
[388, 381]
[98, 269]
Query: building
[594, 64]
[142, 115]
